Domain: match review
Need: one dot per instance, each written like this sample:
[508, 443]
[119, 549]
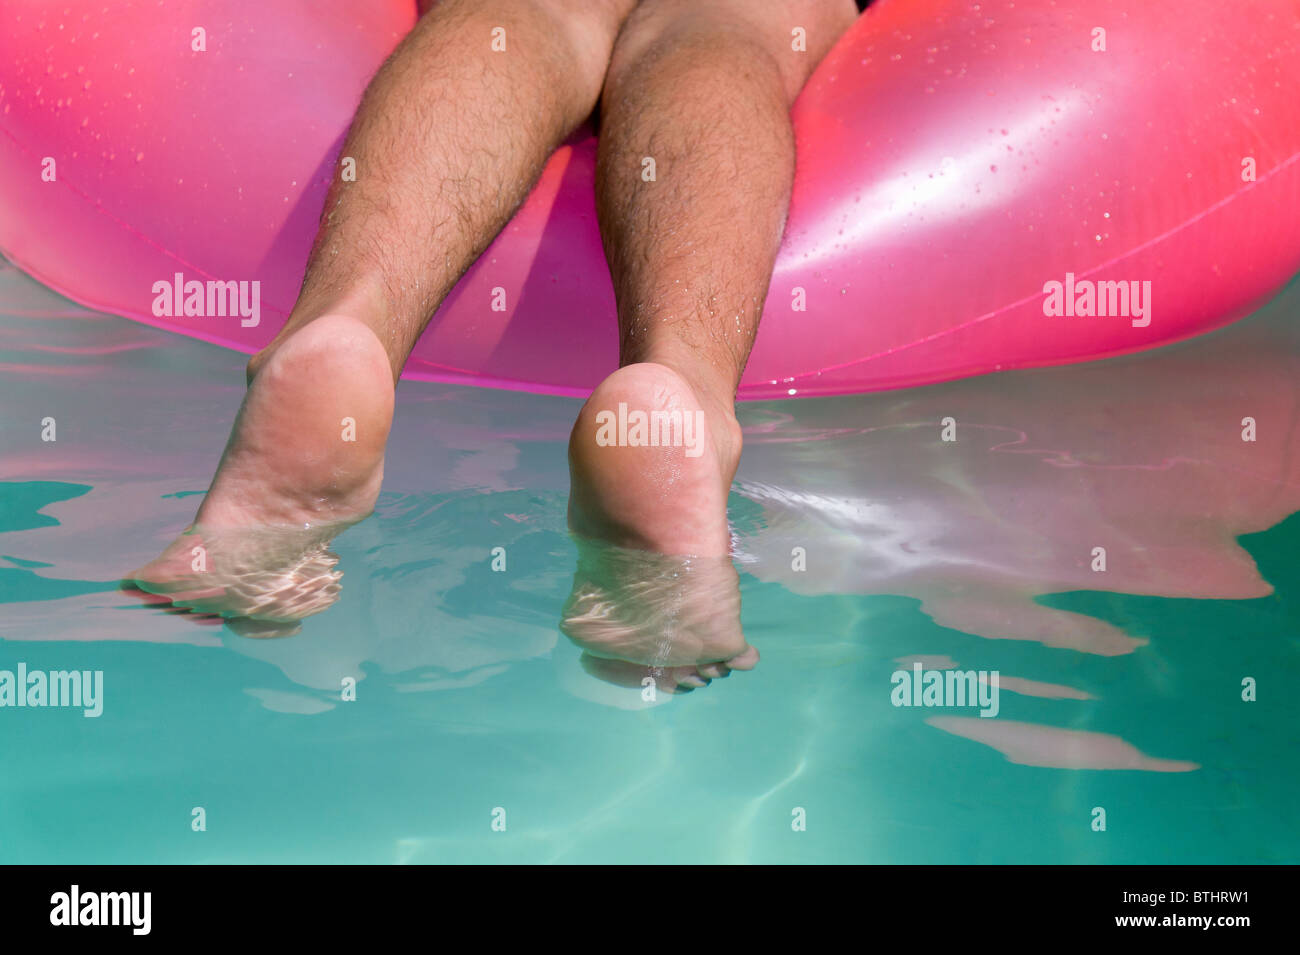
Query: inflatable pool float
[980, 185]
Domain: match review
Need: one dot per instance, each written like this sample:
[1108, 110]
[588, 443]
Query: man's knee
[590, 27]
[602, 16]
[575, 36]
[789, 36]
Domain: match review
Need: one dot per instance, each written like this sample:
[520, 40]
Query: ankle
[714, 378]
[363, 302]
[716, 396]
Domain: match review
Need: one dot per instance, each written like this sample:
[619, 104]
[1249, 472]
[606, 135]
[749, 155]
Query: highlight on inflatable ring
[980, 185]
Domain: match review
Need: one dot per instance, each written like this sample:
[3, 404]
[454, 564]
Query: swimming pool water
[1121, 689]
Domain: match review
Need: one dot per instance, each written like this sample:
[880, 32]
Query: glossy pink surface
[953, 158]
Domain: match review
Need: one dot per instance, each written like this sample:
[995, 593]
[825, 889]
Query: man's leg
[448, 141]
[702, 90]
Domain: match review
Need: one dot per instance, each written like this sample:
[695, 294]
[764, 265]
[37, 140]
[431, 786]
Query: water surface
[1120, 689]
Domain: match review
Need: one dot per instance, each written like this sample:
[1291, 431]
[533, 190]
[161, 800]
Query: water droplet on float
[139, 157]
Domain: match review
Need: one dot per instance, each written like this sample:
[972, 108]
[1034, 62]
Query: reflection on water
[1032, 745]
[864, 541]
[1141, 456]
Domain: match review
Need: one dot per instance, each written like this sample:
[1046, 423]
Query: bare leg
[449, 139]
[704, 91]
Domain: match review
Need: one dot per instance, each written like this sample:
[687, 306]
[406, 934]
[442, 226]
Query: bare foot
[662, 487]
[651, 461]
[637, 614]
[305, 460]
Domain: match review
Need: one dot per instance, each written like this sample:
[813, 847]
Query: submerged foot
[305, 460]
[638, 615]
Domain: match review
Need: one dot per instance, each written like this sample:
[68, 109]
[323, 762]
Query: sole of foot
[651, 465]
[655, 594]
[305, 460]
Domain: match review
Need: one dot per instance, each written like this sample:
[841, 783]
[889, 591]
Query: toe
[747, 659]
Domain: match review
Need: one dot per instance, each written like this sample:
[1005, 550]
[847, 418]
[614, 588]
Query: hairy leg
[702, 91]
[448, 140]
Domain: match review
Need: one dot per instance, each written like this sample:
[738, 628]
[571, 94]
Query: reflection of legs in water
[703, 90]
[447, 142]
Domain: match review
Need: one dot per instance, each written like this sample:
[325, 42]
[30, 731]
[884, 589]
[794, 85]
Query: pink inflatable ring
[980, 185]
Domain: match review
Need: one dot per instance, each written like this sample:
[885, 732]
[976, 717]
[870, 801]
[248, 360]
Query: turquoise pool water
[1120, 689]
